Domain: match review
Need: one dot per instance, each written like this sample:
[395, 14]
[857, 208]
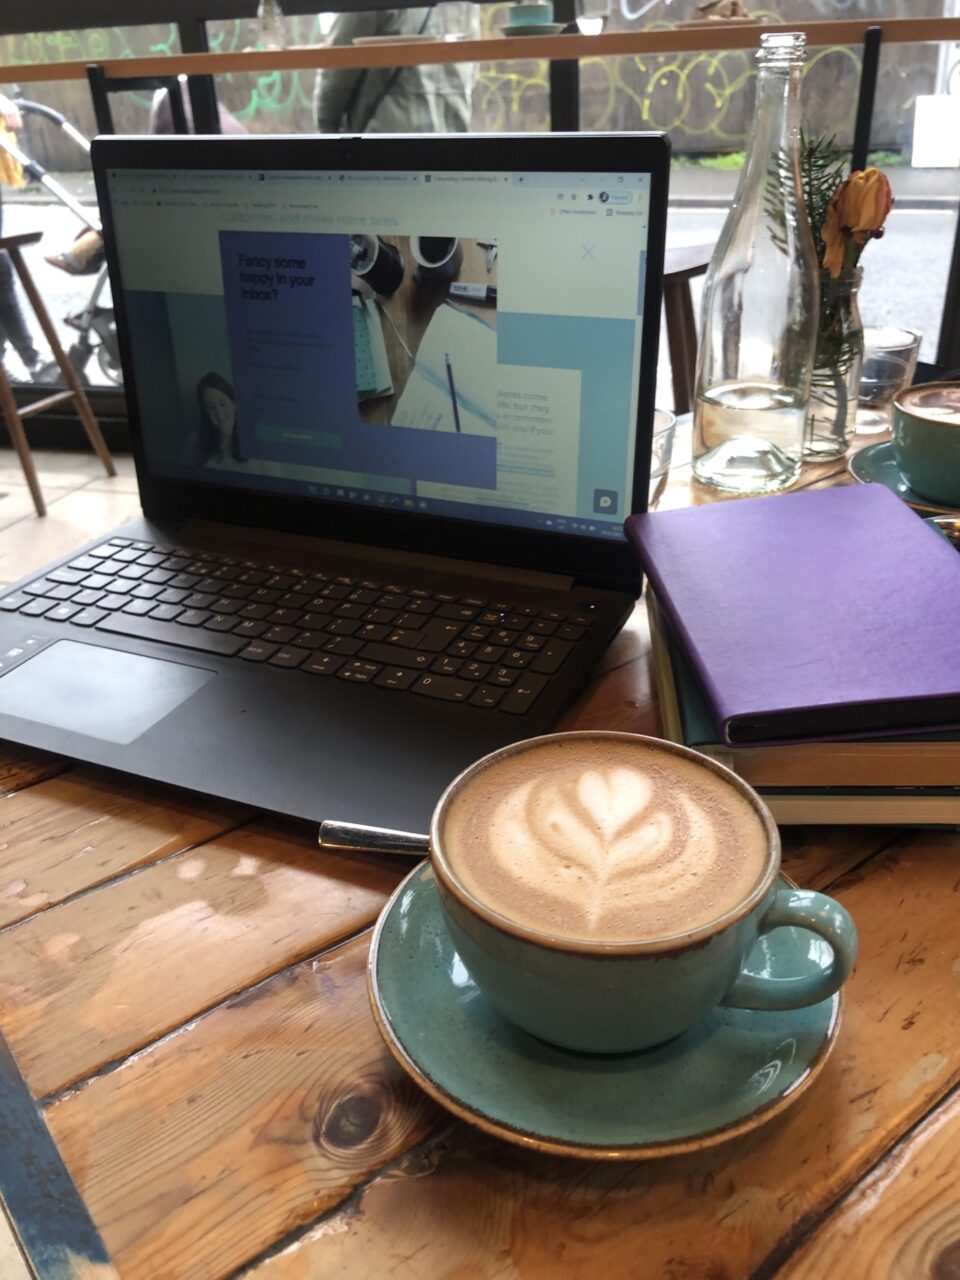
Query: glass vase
[835, 385]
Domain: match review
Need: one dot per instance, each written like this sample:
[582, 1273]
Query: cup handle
[803, 909]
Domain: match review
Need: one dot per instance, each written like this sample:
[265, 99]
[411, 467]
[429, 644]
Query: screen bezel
[593, 561]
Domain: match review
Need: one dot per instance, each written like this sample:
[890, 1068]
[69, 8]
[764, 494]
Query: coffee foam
[604, 840]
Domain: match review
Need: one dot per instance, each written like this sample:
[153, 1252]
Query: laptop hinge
[255, 543]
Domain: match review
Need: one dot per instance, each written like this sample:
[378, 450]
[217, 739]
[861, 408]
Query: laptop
[390, 401]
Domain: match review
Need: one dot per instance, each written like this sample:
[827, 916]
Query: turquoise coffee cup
[626, 996]
[926, 440]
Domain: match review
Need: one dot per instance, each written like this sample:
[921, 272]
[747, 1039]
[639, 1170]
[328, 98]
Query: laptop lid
[446, 345]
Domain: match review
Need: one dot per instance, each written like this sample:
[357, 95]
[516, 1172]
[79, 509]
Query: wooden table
[182, 986]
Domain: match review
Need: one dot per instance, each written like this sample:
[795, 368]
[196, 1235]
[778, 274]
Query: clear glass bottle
[270, 30]
[760, 300]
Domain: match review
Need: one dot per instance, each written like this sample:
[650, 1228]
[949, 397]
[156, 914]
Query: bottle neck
[775, 131]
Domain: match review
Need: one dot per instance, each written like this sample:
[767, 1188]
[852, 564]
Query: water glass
[591, 16]
[664, 429]
[889, 363]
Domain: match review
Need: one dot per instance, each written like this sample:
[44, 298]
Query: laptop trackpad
[102, 693]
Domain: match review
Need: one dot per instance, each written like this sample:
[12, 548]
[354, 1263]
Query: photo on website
[424, 310]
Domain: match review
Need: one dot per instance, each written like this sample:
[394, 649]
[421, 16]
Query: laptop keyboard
[488, 653]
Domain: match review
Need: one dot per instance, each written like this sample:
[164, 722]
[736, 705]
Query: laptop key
[485, 695]
[165, 612]
[523, 694]
[445, 666]
[16, 600]
[570, 632]
[72, 577]
[437, 634]
[344, 645]
[310, 640]
[194, 617]
[258, 651]
[459, 611]
[87, 617]
[446, 688]
[251, 628]
[395, 678]
[359, 672]
[87, 597]
[473, 670]
[489, 652]
[386, 653]
[61, 612]
[37, 608]
[288, 657]
[280, 635]
[112, 601]
[323, 664]
[517, 658]
[138, 607]
[552, 656]
[219, 621]
[342, 627]
[170, 633]
[86, 563]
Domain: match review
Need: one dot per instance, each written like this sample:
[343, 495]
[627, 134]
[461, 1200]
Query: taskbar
[511, 516]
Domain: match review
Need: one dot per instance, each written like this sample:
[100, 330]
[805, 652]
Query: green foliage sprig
[822, 165]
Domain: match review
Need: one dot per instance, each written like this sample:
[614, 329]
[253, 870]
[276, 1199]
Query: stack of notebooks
[811, 643]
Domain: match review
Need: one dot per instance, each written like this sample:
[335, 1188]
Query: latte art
[604, 840]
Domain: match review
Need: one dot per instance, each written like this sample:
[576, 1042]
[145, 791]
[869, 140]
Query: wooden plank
[210, 1146]
[22, 767]
[482, 1207]
[630, 44]
[88, 982]
[80, 829]
[903, 1221]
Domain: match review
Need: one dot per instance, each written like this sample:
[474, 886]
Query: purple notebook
[833, 613]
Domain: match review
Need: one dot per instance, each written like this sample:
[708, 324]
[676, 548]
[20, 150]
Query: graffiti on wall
[704, 100]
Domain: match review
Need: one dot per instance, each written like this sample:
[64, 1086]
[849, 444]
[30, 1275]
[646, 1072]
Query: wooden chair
[679, 267]
[13, 415]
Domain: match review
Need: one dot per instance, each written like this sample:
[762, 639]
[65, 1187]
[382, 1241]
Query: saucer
[731, 1072]
[878, 464]
[532, 29]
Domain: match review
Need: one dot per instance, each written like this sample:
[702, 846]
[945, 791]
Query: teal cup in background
[926, 440]
[537, 13]
[626, 996]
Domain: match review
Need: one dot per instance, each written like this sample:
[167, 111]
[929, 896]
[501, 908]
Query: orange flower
[856, 214]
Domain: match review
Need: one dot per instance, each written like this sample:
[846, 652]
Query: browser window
[464, 344]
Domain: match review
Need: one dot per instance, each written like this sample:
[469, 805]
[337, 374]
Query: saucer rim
[553, 1146]
[915, 501]
[532, 28]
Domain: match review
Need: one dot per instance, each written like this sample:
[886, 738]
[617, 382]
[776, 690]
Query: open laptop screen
[462, 344]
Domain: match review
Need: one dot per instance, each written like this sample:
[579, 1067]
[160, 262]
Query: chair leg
[19, 437]
[70, 375]
[681, 341]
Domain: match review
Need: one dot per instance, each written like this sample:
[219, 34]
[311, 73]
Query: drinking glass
[664, 429]
[591, 16]
[889, 363]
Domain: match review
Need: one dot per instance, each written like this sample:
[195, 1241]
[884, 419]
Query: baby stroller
[94, 322]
